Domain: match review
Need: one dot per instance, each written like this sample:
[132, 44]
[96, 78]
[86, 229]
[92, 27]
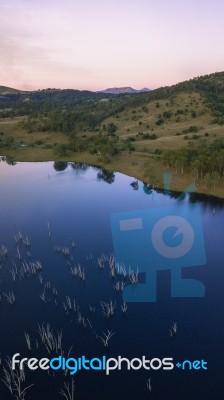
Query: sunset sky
[95, 44]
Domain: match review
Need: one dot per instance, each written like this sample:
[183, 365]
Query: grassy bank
[135, 165]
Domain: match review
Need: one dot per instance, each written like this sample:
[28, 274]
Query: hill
[123, 90]
[8, 90]
[178, 128]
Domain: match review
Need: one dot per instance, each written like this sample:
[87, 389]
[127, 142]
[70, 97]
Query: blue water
[77, 201]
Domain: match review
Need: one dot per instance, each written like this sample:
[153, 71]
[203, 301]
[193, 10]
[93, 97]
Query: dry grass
[10, 127]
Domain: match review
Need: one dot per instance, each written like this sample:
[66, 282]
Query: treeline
[206, 161]
[101, 145]
[104, 145]
[81, 117]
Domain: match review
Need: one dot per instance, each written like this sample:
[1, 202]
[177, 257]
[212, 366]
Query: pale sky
[95, 44]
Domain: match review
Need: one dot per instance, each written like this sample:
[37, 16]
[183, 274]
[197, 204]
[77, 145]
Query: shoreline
[130, 165]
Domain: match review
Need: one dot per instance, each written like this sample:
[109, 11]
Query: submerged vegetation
[18, 267]
[179, 127]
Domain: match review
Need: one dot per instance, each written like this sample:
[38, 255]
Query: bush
[158, 151]
[167, 114]
[111, 128]
[160, 121]
[149, 136]
[61, 149]
[38, 142]
[191, 129]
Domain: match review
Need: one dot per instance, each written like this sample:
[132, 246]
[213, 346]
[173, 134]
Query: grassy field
[144, 120]
[183, 110]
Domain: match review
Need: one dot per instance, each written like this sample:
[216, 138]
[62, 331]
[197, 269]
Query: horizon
[96, 45]
[107, 88]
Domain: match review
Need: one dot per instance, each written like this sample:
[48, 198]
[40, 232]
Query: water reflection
[60, 165]
[79, 166]
[8, 160]
[106, 176]
[135, 185]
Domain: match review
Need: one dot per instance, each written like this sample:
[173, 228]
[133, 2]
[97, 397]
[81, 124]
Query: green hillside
[178, 129]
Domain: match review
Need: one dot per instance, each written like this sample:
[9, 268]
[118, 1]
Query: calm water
[77, 202]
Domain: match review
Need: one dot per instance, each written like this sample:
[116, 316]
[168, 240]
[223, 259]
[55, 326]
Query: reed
[4, 251]
[81, 320]
[121, 269]
[47, 285]
[43, 296]
[69, 304]
[148, 385]
[51, 341]
[92, 309]
[18, 238]
[101, 261]
[14, 273]
[49, 229]
[108, 308]
[112, 265]
[173, 329]
[30, 268]
[68, 391]
[18, 253]
[74, 271]
[10, 297]
[78, 271]
[106, 337]
[65, 251]
[26, 241]
[28, 341]
[124, 307]
[15, 381]
[119, 286]
[133, 276]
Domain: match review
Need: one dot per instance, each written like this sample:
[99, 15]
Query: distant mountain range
[119, 90]
[115, 90]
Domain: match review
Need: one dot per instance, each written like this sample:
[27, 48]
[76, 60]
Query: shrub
[160, 121]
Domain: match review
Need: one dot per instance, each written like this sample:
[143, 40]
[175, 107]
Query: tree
[111, 128]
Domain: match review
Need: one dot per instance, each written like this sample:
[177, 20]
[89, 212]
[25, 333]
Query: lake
[63, 287]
